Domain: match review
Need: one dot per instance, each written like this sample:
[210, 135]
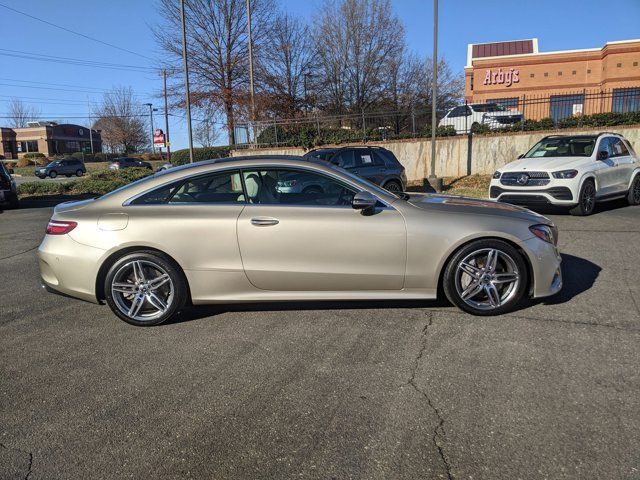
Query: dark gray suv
[66, 166]
[8, 191]
[376, 164]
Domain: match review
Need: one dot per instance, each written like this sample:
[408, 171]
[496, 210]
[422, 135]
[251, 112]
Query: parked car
[376, 164]
[164, 166]
[571, 170]
[8, 190]
[129, 162]
[255, 243]
[468, 118]
[66, 166]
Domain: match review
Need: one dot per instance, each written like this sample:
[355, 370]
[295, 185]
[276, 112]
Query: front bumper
[546, 268]
[69, 267]
[555, 193]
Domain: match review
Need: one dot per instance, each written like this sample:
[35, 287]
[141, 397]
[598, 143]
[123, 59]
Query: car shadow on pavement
[600, 208]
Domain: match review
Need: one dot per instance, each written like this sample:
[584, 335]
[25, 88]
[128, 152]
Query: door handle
[264, 221]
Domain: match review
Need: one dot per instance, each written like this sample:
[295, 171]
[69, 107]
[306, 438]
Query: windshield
[489, 107]
[55, 163]
[563, 147]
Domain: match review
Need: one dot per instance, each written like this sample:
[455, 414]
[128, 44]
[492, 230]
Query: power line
[74, 32]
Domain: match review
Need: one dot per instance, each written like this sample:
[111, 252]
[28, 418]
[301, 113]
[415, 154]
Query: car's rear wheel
[486, 277]
[393, 186]
[145, 288]
[586, 200]
[53, 174]
[79, 173]
[633, 197]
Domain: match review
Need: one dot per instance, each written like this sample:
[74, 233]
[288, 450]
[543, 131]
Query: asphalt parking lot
[356, 390]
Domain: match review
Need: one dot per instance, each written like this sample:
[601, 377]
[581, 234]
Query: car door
[369, 166]
[606, 168]
[317, 241]
[625, 163]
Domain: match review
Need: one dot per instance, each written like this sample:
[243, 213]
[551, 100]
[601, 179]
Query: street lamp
[151, 110]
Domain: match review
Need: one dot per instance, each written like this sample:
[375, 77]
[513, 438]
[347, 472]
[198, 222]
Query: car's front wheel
[633, 197]
[53, 174]
[486, 277]
[79, 173]
[145, 288]
[586, 200]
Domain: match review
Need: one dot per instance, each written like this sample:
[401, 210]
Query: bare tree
[20, 113]
[284, 66]
[206, 132]
[122, 121]
[356, 40]
[217, 44]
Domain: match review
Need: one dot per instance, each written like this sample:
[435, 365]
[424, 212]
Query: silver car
[226, 231]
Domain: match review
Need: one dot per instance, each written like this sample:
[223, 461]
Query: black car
[376, 164]
[66, 166]
[8, 193]
[129, 162]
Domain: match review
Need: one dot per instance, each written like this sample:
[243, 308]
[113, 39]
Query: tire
[79, 173]
[633, 197]
[468, 287]
[475, 126]
[393, 186]
[154, 304]
[586, 200]
[53, 174]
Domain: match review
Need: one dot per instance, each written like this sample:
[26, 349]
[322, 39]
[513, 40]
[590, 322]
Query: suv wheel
[633, 197]
[586, 200]
[79, 173]
[393, 186]
[145, 288]
[53, 174]
[486, 277]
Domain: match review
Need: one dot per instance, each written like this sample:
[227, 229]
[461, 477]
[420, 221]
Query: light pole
[433, 180]
[251, 88]
[166, 116]
[151, 110]
[186, 80]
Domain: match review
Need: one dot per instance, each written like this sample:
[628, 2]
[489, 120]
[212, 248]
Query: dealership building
[557, 84]
[49, 138]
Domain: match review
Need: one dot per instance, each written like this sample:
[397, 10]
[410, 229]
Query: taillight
[59, 227]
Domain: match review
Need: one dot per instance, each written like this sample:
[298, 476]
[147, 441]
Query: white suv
[571, 170]
[467, 118]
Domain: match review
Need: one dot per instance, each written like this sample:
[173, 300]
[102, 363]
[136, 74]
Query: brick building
[554, 84]
[48, 138]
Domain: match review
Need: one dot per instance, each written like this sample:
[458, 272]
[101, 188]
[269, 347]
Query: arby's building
[516, 74]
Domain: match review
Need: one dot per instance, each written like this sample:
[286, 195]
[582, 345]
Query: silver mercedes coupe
[239, 230]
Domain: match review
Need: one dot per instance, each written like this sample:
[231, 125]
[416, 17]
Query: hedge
[181, 157]
[94, 184]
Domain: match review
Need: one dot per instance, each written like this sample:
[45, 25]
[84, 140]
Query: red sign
[499, 77]
[158, 137]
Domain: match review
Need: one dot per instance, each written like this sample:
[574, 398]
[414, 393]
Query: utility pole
[186, 80]
[151, 109]
[90, 127]
[251, 88]
[166, 116]
[433, 180]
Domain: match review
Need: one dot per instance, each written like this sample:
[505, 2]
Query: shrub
[41, 188]
[181, 157]
[33, 155]
[25, 162]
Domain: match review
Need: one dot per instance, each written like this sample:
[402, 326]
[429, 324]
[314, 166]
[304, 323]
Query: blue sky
[559, 25]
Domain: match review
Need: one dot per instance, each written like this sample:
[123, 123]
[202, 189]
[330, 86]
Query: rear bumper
[68, 267]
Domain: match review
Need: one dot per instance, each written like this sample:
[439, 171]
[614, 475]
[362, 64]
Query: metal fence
[526, 112]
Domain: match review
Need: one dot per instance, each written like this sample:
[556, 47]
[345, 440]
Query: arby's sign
[502, 77]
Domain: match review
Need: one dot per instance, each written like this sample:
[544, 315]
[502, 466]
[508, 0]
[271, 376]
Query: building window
[32, 146]
[508, 103]
[573, 73]
[532, 75]
[546, 74]
[564, 106]
[559, 74]
[635, 64]
[619, 65]
[626, 100]
[589, 70]
[73, 147]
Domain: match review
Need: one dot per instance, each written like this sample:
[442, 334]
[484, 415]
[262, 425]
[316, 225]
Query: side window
[344, 159]
[223, 187]
[159, 195]
[366, 158]
[295, 187]
[379, 158]
[605, 146]
[456, 112]
[618, 148]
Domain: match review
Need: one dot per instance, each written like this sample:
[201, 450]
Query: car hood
[544, 164]
[474, 206]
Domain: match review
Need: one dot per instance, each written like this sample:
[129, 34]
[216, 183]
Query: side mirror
[603, 155]
[364, 201]
[521, 155]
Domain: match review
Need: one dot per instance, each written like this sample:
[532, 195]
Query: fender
[587, 176]
[632, 177]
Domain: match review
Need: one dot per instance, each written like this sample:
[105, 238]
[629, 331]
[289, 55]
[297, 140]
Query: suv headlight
[496, 175]
[565, 174]
[547, 233]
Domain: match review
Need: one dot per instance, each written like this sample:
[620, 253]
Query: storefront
[48, 138]
[554, 84]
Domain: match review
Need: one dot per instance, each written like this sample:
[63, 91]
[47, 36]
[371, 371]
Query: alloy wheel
[588, 199]
[636, 190]
[487, 279]
[392, 187]
[142, 290]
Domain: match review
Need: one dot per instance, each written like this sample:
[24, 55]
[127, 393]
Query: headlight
[565, 174]
[496, 175]
[548, 233]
